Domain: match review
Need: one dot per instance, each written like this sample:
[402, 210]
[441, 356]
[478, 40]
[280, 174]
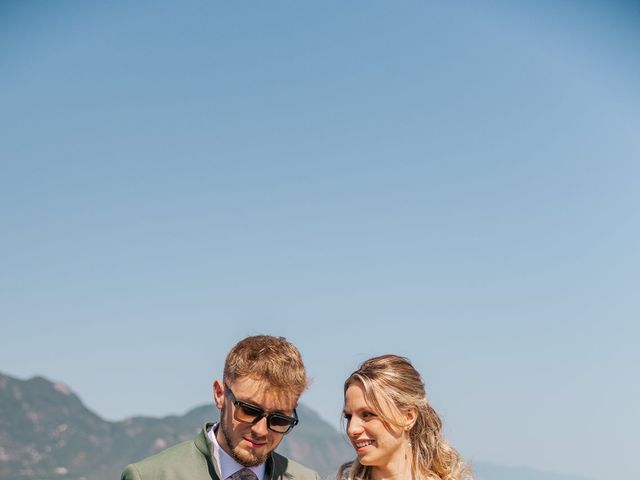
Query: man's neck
[226, 463]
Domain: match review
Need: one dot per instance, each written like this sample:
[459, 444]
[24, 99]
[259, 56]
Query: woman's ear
[410, 417]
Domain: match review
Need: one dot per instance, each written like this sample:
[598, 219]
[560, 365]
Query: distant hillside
[47, 433]
[488, 471]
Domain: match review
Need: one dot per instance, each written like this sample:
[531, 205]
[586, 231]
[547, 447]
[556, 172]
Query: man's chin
[247, 458]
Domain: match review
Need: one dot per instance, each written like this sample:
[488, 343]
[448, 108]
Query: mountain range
[47, 433]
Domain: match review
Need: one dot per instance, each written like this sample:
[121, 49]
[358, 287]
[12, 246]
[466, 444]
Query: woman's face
[374, 443]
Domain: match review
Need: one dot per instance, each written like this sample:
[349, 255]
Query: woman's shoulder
[344, 470]
[342, 473]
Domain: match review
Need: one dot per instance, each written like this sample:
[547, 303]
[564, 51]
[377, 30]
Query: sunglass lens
[280, 421]
[249, 412]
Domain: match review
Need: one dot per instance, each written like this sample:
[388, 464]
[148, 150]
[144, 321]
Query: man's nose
[260, 427]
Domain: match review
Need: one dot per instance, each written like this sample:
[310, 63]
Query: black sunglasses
[247, 413]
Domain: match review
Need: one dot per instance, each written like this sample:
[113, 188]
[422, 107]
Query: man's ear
[218, 393]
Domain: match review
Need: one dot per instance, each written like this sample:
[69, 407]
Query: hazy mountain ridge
[47, 433]
[489, 471]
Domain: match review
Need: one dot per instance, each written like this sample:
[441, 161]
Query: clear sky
[456, 182]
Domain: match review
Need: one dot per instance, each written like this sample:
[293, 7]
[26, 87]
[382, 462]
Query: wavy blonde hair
[392, 385]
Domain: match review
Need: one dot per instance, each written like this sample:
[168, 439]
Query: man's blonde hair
[273, 360]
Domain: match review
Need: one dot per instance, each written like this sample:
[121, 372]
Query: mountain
[489, 471]
[47, 433]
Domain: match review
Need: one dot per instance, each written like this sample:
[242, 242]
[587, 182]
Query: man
[262, 381]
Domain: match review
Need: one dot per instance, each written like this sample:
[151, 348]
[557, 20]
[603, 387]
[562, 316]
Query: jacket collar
[204, 445]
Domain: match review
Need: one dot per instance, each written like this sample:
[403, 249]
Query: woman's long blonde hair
[392, 385]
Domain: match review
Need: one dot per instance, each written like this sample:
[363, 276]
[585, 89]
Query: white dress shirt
[228, 466]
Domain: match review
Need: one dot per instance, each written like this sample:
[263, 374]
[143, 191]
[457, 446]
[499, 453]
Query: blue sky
[456, 182]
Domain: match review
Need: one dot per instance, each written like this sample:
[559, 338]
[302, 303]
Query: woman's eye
[366, 415]
[347, 416]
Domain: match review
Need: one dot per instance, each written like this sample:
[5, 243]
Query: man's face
[249, 444]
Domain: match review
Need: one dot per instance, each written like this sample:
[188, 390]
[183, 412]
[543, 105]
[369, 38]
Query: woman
[395, 432]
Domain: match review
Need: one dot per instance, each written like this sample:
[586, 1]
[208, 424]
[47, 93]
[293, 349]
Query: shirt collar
[228, 466]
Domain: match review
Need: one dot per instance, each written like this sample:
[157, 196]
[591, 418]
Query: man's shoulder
[286, 468]
[173, 462]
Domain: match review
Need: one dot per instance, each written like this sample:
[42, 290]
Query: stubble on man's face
[244, 457]
[250, 444]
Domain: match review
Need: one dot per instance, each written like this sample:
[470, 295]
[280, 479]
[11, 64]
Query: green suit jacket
[192, 460]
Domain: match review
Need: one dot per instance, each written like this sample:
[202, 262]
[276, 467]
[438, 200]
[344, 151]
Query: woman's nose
[354, 427]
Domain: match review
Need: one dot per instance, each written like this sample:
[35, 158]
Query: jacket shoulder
[286, 469]
[183, 460]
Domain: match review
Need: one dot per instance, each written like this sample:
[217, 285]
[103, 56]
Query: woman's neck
[392, 472]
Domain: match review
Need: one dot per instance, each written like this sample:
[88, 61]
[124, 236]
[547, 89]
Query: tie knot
[244, 474]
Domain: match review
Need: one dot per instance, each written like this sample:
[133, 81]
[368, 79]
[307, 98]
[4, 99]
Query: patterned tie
[244, 474]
